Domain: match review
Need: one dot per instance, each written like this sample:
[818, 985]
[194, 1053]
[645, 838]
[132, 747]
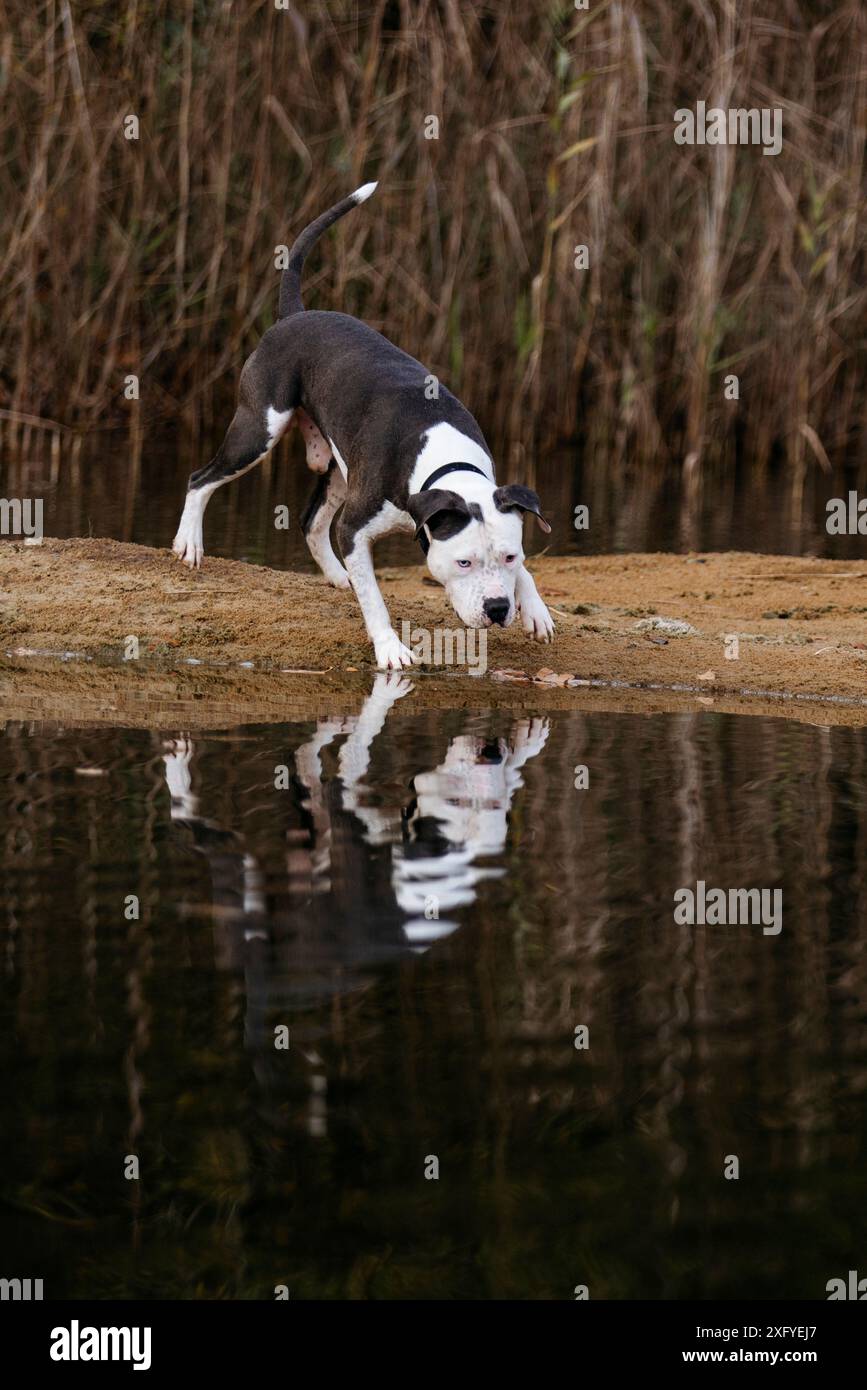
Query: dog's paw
[188, 550]
[391, 654]
[180, 748]
[530, 736]
[388, 687]
[338, 579]
[177, 756]
[537, 621]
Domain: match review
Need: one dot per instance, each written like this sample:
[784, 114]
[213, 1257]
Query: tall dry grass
[155, 256]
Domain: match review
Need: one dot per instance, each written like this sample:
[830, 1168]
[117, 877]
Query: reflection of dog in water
[366, 879]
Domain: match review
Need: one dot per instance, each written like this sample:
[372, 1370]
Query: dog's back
[360, 389]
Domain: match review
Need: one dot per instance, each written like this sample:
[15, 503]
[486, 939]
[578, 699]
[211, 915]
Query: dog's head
[475, 548]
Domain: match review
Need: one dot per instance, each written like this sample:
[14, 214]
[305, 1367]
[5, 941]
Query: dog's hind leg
[328, 495]
[248, 439]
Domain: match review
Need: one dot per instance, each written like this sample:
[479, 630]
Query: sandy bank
[801, 629]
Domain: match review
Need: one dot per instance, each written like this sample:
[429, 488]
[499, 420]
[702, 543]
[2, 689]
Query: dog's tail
[290, 285]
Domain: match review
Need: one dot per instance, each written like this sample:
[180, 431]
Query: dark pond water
[104, 494]
[432, 908]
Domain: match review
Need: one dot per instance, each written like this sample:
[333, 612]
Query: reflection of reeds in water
[704, 1040]
[155, 256]
[752, 803]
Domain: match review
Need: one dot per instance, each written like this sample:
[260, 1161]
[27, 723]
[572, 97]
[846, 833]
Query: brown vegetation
[156, 256]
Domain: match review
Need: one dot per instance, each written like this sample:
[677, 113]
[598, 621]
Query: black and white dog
[384, 441]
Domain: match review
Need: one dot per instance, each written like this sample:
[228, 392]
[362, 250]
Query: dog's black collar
[434, 478]
[450, 468]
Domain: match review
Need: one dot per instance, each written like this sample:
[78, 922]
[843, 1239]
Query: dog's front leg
[534, 615]
[354, 758]
[356, 546]
[382, 824]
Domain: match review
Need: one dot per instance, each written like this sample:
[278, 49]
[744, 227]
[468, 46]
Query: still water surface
[431, 907]
[102, 494]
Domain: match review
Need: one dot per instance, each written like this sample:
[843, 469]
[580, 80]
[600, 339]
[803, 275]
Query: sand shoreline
[800, 624]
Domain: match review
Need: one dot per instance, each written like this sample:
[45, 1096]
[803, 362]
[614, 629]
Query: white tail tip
[362, 194]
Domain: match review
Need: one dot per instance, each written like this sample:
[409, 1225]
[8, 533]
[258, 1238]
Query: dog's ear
[506, 499]
[444, 513]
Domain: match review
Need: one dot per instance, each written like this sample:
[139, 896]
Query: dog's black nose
[490, 753]
[497, 609]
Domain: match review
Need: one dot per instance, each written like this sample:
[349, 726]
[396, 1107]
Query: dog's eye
[465, 564]
[510, 559]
